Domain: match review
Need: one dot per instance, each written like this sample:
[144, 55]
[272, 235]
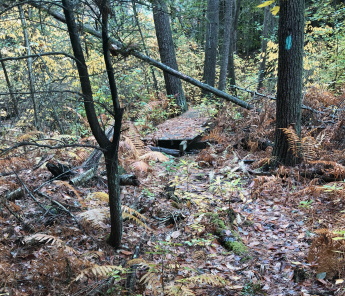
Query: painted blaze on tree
[290, 67]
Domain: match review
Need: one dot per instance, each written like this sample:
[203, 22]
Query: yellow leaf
[266, 3]
[275, 10]
[339, 281]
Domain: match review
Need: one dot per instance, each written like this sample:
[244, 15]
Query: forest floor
[213, 223]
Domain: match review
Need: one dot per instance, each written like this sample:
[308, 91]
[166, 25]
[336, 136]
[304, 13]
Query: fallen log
[125, 179]
[173, 152]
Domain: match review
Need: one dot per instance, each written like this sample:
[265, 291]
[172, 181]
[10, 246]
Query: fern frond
[128, 149]
[133, 134]
[140, 167]
[155, 156]
[30, 136]
[135, 216]
[179, 291]
[98, 271]
[136, 220]
[102, 196]
[206, 278]
[43, 238]
[309, 148]
[151, 279]
[137, 261]
[126, 209]
[95, 216]
[215, 136]
[293, 140]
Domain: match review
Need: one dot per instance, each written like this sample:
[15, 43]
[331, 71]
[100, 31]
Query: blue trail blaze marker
[288, 42]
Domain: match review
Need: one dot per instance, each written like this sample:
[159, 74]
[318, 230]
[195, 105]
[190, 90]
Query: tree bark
[227, 40]
[290, 67]
[231, 63]
[212, 26]
[110, 148]
[111, 154]
[266, 34]
[154, 79]
[30, 68]
[13, 108]
[167, 54]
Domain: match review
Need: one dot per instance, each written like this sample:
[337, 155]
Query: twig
[28, 191]
[28, 226]
[25, 143]
[255, 93]
[61, 207]
[131, 278]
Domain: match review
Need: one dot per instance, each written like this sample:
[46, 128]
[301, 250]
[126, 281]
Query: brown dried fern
[294, 141]
[306, 148]
[95, 216]
[42, 238]
[154, 156]
[98, 271]
[132, 133]
[215, 136]
[179, 290]
[328, 253]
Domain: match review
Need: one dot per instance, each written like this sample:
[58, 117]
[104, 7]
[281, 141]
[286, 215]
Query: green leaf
[321, 275]
[266, 3]
[338, 238]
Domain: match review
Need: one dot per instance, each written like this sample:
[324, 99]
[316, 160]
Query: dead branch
[27, 143]
[16, 194]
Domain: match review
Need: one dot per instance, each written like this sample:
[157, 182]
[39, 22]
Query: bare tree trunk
[266, 33]
[212, 26]
[231, 65]
[13, 106]
[122, 49]
[227, 40]
[110, 148]
[167, 52]
[155, 83]
[290, 68]
[30, 68]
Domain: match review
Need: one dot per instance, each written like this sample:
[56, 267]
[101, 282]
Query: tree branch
[26, 143]
[39, 55]
[123, 49]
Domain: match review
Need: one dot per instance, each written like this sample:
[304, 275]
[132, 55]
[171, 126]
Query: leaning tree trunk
[167, 52]
[290, 67]
[110, 148]
[123, 49]
[212, 26]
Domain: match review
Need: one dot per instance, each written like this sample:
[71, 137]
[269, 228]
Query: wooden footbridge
[181, 132]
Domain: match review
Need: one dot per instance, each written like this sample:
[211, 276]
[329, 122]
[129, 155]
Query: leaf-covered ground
[215, 223]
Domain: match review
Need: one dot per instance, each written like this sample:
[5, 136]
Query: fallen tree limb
[255, 93]
[16, 194]
[124, 50]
